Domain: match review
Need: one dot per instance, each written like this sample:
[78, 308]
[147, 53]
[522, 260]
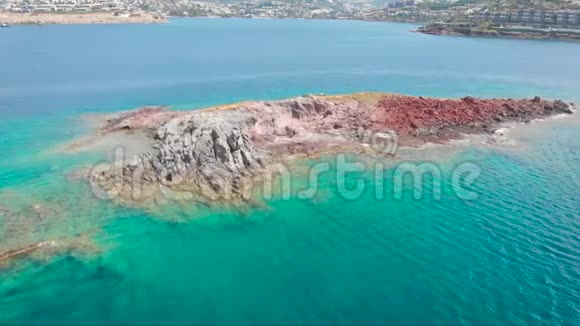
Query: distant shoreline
[8, 19]
[500, 32]
[13, 19]
[79, 18]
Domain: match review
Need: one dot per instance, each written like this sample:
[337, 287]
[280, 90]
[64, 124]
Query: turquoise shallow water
[511, 257]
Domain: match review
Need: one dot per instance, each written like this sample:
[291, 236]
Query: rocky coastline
[499, 32]
[216, 154]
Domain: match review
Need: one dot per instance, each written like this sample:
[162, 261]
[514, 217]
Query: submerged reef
[42, 228]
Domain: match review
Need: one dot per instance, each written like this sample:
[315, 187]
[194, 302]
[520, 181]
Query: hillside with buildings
[527, 13]
[509, 18]
[251, 9]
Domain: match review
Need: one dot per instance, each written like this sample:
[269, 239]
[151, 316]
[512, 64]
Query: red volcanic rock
[426, 117]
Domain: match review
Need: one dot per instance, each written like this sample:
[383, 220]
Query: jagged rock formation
[204, 148]
[213, 154]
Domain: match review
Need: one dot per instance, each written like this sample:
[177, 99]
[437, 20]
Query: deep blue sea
[509, 257]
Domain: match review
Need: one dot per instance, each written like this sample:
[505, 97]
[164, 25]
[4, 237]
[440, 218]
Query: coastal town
[524, 18]
[66, 6]
[245, 9]
[567, 14]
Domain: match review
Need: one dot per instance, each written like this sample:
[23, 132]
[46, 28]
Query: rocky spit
[214, 154]
[48, 18]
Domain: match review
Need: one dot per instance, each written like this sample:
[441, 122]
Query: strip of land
[485, 30]
[79, 18]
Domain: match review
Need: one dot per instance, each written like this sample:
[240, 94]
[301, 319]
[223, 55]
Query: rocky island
[213, 154]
